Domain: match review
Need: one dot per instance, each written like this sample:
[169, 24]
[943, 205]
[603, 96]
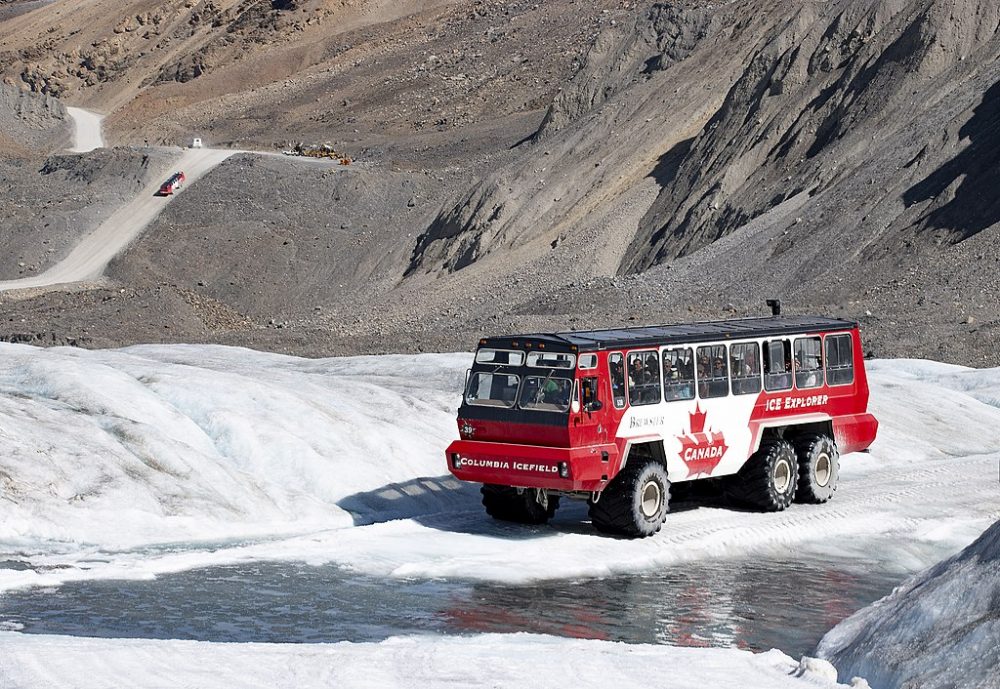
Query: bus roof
[653, 335]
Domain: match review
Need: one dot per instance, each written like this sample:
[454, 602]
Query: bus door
[590, 402]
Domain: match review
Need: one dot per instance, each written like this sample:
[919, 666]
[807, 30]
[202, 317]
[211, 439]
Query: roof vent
[775, 305]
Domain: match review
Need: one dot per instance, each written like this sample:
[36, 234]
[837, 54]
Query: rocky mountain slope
[265, 73]
[848, 161]
[30, 123]
[566, 164]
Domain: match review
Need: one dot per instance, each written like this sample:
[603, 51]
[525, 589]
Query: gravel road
[87, 130]
[91, 256]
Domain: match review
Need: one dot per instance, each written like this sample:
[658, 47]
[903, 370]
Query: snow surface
[511, 660]
[151, 459]
[939, 629]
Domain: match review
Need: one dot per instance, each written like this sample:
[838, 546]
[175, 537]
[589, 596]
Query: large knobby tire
[769, 478]
[530, 506]
[819, 468]
[636, 501]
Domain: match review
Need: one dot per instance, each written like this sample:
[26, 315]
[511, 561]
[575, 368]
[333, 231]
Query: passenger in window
[651, 369]
[686, 376]
[786, 379]
[801, 376]
[652, 391]
[741, 371]
[617, 379]
[718, 387]
[670, 388]
[550, 391]
[637, 374]
[805, 371]
[557, 394]
[637, 379]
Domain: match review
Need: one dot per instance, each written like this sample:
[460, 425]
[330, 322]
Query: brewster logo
[701, 451]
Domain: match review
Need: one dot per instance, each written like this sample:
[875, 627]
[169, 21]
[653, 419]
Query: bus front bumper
[571, 469]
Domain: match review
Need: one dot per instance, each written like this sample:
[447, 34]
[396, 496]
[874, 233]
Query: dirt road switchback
[86, 130]
[91, 256]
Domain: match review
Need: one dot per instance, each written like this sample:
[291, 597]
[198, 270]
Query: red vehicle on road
[173, 183]
[763, 406]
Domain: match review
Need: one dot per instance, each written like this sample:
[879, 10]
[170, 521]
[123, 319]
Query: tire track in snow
[894, 506]
[858, 498]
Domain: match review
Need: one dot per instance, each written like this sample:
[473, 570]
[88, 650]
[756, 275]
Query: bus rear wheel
[819, 468]
[769, 478]
[530, 506]
[635, 503]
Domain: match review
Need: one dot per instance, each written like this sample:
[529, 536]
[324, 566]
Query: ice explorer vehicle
[763, 406]
[173, 183]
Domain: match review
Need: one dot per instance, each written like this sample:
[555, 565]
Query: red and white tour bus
[173, 183]
[764, 406]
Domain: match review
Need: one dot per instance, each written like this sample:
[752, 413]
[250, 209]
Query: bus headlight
[563, 470]
[456, 460]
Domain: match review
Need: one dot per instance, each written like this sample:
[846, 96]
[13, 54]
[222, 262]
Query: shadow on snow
[446, 504]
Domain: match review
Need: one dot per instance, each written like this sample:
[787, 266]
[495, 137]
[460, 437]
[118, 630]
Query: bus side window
[713, 372]
[746, 368]
[616, 367]
[808, 362]
[643, 378]
[777, 365]
[678, 374]
[839, 360]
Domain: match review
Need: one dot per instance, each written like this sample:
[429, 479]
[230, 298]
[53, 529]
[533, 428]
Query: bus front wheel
[636, 501]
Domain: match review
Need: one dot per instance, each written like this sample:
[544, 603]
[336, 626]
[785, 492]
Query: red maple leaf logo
[701, 451]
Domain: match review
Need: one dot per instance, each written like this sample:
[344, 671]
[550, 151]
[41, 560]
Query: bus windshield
[492, 389]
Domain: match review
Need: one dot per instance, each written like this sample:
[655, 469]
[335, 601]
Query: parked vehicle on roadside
[763, 406]
[173, 183]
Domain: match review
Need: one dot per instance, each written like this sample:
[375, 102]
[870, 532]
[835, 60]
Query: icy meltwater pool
[758, 606]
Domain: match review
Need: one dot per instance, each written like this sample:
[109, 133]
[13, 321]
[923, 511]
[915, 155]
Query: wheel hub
[650, 499]
[824, 470]
[782, 476]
